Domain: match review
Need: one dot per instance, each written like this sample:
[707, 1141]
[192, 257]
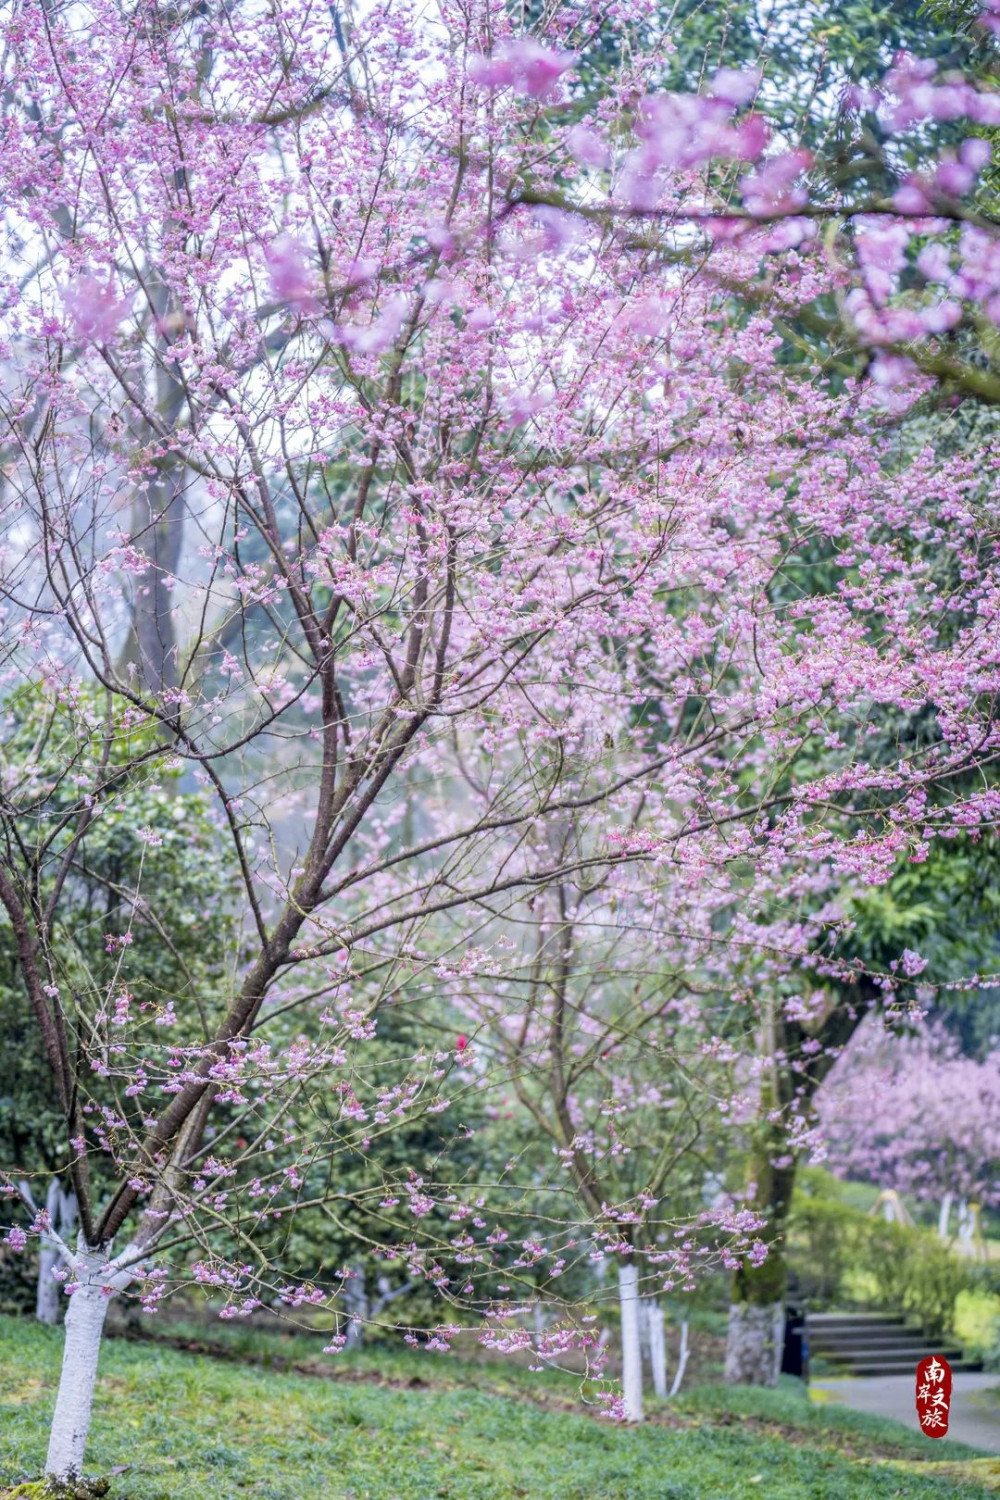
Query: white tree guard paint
[48, 1292]
[657, 1346]
[85, 1316]
[754, 1343]
[356, 1305]
[61, 1209]
[628, 1299]
[682, 1359]
[944, 1217]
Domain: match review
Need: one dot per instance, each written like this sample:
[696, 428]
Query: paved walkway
[975, 1403]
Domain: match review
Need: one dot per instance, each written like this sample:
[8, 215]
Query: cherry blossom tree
[398, 450]
[929, 1125]
[624, 1072]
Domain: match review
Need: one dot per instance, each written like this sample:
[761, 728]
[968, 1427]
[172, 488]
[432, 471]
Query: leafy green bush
[903, 1268]
[818, 1248]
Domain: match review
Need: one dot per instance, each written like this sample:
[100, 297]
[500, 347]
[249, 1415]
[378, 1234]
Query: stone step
[875, 1343]
[870, 1331]
[901, 1367]
[922, 1346]
[854, 1320]
[891, 1361]
[840, 1335]
[892, 1351]
[867, 1340]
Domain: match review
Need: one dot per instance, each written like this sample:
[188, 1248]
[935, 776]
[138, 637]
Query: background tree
[186, 939]
[929, 1128]
[624, 1073]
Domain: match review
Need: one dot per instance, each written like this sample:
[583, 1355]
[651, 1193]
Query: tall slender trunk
[61, 1209]
[944, 1217]
[682, 1359]
[657, 1347]
[85, 1316]
[48, 1293]
[756, 1334]
[158, 515]
[356, 1305]
[628, 1299]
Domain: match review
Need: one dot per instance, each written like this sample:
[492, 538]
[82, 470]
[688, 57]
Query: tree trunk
[756, 1333]
[356, 1305]
[657, 1347]
[84, 1325]
[628, 1299]
[61, 1209]
[682, 1359]
[540, 1318]
[49, 1293]
[944, 1217]
[754, 1343]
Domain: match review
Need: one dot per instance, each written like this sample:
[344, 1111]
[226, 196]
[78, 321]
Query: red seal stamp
[933, 1395]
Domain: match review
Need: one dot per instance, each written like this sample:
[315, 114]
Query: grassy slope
[208, 1430]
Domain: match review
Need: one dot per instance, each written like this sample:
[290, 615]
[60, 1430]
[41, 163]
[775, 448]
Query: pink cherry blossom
[525, 65]
[94, 311]
[454, 560]
[290, 274]
[588, 146]
[775, 186]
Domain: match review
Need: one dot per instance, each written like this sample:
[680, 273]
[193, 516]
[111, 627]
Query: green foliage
[948, 910]
[209, 1430]
[355, 1227]
[977, 1320]
[177, 900]
[902, 1268]
[819, 1249]
[807, 51]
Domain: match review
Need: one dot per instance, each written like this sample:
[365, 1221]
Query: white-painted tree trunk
[356, 1305]
[754, 1343]
[97, 1278]
[48, 1291]
[628, 1301]
[61, 1209]
[944, 1217]
[657, 1347]
[966, 1222]
[682, 1359]
[712, 1188]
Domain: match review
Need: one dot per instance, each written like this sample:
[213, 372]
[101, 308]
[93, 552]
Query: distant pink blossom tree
[915, 1114]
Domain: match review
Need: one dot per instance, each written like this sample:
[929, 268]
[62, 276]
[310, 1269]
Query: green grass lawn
[432, 1429]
